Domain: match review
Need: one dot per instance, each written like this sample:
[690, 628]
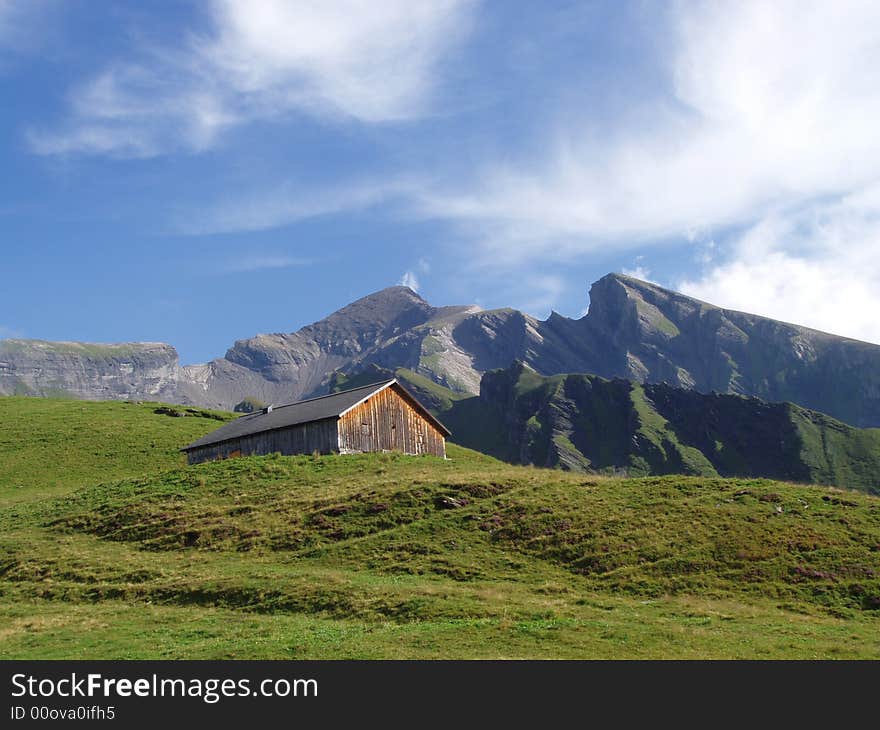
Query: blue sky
[195, 173]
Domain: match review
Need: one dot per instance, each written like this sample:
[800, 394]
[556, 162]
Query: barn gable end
[390, 420]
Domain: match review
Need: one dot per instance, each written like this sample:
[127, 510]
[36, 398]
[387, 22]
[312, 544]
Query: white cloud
[706, 251]
[96, 139]
[772, 109]
[257, 262]
[818, 267]
[638, 272]
[409, 279]
[369, 61]
[768, 105]
[288, 203]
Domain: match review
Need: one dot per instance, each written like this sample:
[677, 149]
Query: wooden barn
[379, 417]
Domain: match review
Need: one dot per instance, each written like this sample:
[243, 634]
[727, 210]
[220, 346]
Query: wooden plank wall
[389, 421]
[302, 439]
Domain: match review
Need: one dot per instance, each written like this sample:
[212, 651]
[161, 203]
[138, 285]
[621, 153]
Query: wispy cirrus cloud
[263, 59]
[409, 279]
[638, 272]
[764, 121]
[767, 105]
[250, 262]
[768, 115]
[289, 202]
[412, 277]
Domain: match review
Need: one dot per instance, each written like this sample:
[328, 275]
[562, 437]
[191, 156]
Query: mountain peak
[386, 306]
[616, 298]
[620, 276]
[396, 290]
[630, 281]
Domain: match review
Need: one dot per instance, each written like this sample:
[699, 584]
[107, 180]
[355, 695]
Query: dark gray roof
[314, 409]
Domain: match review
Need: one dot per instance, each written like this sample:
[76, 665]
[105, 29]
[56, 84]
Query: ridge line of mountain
[633, 329]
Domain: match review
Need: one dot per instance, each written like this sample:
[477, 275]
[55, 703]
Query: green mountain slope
[382, 555]
[588, 423]
[48, 446]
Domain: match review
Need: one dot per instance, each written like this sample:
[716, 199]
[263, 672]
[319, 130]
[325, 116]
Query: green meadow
[111, 547]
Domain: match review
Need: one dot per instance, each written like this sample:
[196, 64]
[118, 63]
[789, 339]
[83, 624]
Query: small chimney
[268, 409]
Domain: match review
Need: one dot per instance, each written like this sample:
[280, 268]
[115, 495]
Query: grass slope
[587, 423]
[48, 446]
[382, 555]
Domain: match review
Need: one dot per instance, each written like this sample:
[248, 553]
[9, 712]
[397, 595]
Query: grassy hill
[587, 423]
[48, 446]
[109, 554]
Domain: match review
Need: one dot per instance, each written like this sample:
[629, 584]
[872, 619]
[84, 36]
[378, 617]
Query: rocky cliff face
[649, 334]
[140, 370]
[633, 330]
[279, 368]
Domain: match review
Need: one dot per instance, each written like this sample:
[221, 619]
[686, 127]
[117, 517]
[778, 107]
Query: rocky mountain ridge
[633, 330]
[121, 371]
[583, 422]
